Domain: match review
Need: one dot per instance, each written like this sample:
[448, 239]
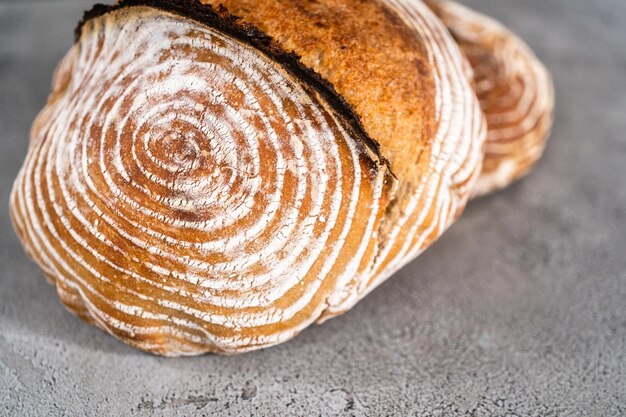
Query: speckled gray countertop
[519, 310]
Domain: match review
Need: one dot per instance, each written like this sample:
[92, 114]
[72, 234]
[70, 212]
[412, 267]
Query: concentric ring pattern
[515, 92]
[187, 194]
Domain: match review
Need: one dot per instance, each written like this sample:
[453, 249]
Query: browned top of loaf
[374, 61]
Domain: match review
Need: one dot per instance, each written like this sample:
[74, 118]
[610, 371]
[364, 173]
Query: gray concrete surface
[520, 310]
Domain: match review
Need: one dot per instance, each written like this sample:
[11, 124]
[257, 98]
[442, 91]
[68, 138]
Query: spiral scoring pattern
[514, 89]
[187, 194]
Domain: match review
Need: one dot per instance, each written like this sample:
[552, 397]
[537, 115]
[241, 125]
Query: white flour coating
[172, 144]
[520, 120]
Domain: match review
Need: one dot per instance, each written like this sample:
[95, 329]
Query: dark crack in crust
[220, 19]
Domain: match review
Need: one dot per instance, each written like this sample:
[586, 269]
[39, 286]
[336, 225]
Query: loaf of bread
[515, 92]
[216, 175]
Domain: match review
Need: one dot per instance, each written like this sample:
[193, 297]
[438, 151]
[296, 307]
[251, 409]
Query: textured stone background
[519, 310]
